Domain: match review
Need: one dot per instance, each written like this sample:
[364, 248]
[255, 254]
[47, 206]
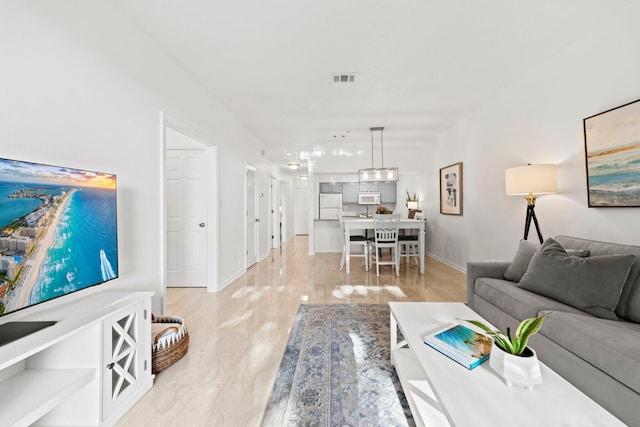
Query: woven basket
[165, 352]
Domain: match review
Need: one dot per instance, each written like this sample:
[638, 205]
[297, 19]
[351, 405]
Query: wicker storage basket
[168, 350]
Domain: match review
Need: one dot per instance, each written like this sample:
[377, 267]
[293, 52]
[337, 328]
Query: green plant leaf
[516, 346]
[483, 327]
[525, 329]
[504, 343]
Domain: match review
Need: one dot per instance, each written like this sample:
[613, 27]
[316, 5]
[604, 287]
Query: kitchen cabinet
[369, 187]
[350, 192]
[387, 192]
[331, 187]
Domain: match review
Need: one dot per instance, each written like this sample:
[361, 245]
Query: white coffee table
[443, 393]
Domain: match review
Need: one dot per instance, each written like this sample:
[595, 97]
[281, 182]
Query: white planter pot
[520, 370]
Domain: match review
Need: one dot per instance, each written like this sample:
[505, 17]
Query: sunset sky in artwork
[614, 129]
[33, 173]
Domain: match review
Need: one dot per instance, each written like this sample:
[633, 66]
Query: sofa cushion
[515, 301]
[611, 346]
[629, 305]
[522, 258]
[591, 284]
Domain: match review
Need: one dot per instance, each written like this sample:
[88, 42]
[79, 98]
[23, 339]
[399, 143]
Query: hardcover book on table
[461, 344]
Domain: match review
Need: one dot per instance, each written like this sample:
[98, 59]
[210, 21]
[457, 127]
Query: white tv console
[86, 370]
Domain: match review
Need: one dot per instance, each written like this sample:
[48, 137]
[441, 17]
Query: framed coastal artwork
[612, 154]
[451, 189]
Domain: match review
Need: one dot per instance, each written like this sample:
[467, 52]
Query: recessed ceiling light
[293, 166]
[343, 134]
[343, 77]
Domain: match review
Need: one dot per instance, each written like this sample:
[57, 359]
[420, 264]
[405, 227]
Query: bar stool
[409, 242]
[357, 241]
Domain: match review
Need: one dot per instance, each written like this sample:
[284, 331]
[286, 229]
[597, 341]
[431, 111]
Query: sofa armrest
[490, 269]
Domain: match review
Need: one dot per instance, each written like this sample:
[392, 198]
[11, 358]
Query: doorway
[190, 210]
[251, 203]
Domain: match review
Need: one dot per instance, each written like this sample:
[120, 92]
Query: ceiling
[419, 65]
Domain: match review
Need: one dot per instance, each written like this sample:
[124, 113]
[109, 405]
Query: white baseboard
[450, 264]
[230, 280]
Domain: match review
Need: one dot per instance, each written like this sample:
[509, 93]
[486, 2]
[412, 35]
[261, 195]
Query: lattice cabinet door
[124, 356]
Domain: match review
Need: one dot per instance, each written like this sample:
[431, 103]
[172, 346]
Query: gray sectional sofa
[590, 295]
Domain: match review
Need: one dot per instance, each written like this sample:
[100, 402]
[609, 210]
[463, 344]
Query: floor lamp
[531, 181]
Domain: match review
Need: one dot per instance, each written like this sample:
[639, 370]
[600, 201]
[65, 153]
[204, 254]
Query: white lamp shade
[536, 179]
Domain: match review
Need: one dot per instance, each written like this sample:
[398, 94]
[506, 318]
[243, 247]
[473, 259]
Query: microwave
[368, 198]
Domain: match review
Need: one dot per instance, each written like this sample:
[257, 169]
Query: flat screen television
[58, 232]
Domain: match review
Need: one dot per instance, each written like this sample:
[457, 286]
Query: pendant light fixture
[380, 174]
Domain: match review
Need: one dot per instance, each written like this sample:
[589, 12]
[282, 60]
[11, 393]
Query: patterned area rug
[336, 371]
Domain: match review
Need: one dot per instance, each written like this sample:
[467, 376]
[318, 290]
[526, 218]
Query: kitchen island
[328, 236]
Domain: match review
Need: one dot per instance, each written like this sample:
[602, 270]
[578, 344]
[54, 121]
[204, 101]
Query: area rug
[336, 371]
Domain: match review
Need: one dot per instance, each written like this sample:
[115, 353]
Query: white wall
[303, 203]
[82, 87]
[539, 120]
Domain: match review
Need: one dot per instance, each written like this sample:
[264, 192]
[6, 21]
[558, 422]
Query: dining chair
[409, 242]
[385, 229]
[354, 241]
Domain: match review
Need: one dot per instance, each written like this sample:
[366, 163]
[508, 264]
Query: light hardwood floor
[238, 336]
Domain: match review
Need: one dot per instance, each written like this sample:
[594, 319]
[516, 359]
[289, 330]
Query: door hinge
[145, 314]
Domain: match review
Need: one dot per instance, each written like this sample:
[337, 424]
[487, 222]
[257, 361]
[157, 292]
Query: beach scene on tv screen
[58, 232]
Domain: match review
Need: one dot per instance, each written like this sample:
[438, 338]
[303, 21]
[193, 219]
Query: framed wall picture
[451, 189]
[612, 154]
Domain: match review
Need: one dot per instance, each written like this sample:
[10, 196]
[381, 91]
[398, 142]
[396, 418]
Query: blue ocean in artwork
[621, 181]
[10, 209]
[614, 176]
[85, 244]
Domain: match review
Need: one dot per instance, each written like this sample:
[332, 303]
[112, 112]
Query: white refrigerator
[330, 205]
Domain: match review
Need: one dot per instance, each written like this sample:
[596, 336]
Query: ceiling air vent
[344, 78]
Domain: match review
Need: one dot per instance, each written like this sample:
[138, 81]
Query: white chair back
[386, 227]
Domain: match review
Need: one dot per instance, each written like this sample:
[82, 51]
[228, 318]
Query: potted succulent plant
[511, 358]
[411, 199]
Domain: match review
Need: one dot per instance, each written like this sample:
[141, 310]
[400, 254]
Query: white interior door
[274, 214]
[282, 209]
[252, 217]
[186, 210]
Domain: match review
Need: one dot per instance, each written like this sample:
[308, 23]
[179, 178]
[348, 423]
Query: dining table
[367, 224]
